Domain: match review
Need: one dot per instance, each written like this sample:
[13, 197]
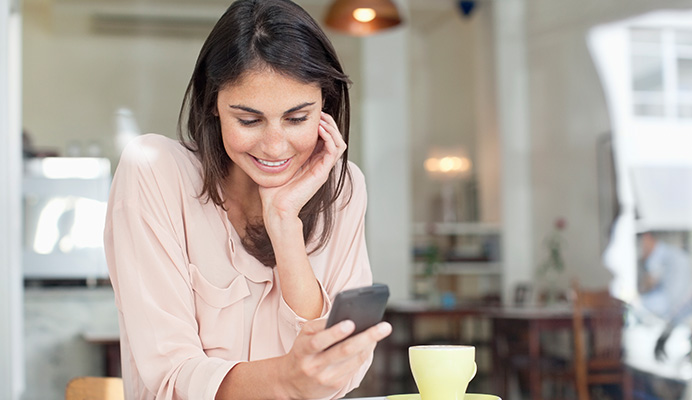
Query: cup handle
[475, 369]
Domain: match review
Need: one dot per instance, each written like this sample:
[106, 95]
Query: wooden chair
[95, 388]
[598, 355]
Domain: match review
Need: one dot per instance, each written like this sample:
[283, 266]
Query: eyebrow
[253, 111]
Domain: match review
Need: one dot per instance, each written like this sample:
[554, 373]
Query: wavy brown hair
[281, 36]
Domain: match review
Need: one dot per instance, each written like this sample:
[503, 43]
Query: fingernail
[347, 326]
[384, 327]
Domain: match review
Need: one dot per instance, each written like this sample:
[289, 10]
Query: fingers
[346, 357]
[328, 370]
[342, 372]
[329, 131]
[335, 334]
[353, 345]
[332, 335]
[327, 140]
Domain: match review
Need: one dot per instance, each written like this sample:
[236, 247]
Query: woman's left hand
[287, 200]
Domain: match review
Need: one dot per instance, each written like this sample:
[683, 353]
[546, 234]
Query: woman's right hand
[313, 369]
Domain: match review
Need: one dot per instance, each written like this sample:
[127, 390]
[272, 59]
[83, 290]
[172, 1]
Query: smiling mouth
[271, 163]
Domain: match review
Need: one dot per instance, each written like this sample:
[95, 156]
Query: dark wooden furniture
[598, 353]
[109, 342]
[517, 334]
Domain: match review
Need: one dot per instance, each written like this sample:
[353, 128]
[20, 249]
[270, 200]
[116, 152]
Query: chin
[272, 182]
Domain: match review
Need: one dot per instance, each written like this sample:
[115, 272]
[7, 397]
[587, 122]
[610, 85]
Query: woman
[226, 249]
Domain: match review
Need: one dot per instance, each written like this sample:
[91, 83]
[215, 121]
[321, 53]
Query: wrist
[284, 389]
[280, 224]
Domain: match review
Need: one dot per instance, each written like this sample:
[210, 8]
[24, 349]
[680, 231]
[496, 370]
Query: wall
[386, 158]
[76, 79]
[442, 45]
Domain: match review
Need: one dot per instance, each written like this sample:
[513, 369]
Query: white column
[11, 344]
[515, 143]
[487, 136]
[386, 157]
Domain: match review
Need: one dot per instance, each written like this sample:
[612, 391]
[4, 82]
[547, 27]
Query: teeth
[271, 163]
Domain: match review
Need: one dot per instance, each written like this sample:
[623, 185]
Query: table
[405, 317]
[507, 321]
[110, 342]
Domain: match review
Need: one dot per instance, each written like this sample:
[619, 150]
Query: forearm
[299, 285]
[254, 380]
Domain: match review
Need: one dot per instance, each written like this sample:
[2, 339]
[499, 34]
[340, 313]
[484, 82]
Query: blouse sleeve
[149, 272]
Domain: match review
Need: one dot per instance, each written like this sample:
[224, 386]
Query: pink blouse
[192, 302]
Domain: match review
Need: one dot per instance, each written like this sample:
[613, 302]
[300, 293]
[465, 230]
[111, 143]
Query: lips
[272, 166]
[271, 163]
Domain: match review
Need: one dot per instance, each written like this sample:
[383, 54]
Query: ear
[215, 107]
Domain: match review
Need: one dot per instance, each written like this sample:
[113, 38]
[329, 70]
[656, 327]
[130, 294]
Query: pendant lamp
[362, 17]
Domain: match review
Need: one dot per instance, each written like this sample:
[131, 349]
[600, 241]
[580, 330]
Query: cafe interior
[520, 158]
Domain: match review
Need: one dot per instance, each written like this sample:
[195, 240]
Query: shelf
[457, 228]
[463, 268]
[468, 261]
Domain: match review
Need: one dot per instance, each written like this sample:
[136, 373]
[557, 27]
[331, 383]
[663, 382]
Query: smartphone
[364, 306]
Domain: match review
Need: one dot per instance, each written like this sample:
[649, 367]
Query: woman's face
[269, 126]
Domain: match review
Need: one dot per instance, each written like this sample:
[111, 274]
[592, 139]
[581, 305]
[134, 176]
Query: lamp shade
[362, 17]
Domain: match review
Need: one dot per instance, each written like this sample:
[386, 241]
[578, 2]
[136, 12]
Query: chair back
[598, 357]
[95, 388]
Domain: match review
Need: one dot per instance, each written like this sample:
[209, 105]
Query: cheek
[307, 139]
[234, 141]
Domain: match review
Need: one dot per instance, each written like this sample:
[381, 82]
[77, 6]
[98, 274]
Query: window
[661, 62]
[645, 64]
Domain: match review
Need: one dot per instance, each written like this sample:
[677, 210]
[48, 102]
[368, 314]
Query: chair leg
[627, 385]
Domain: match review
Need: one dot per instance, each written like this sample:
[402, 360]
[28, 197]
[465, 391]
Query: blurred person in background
[665, 277]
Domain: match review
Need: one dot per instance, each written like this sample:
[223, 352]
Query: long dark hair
[281, 36]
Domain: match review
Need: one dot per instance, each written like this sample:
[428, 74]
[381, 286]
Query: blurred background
[512, 148]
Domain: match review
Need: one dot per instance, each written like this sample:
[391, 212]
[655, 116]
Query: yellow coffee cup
[442, 372]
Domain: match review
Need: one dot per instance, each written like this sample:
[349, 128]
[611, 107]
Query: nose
[274, 143]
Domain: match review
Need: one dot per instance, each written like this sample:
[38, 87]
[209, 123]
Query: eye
[248, 122]
[297, 120]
